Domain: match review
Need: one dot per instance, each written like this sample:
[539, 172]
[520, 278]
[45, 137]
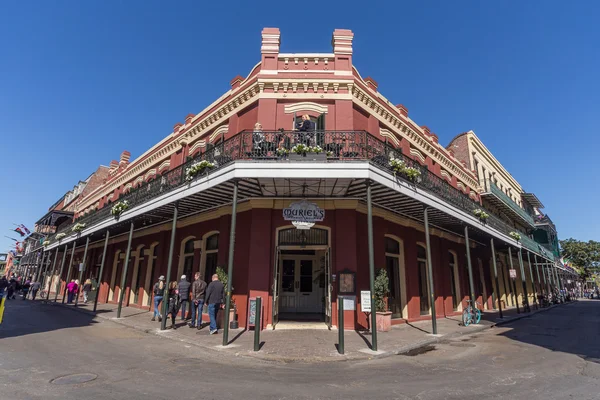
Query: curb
[271, 358]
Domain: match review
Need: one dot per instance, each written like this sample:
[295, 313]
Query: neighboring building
[3, 263]
[300, 273]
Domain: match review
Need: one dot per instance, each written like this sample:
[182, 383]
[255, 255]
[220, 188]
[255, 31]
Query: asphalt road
[552, 355]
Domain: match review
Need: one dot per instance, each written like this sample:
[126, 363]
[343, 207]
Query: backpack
[157, 290]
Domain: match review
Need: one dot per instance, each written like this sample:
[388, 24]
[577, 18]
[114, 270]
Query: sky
[81, 81]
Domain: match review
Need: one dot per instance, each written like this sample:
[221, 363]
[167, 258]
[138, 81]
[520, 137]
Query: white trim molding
[305, 106]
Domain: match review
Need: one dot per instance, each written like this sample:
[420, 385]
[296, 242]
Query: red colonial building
[302, 140]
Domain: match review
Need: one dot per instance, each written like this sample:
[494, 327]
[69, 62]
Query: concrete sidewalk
[308, 345]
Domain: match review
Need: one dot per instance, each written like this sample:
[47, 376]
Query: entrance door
[300, 288]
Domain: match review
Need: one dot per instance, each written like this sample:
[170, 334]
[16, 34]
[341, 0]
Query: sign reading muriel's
[303, 211]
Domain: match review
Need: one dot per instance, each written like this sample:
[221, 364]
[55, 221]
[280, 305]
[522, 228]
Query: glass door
[275, 305]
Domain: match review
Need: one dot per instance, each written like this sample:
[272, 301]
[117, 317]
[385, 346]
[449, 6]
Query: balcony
[534, 246]
[498, 198]
[278, 148]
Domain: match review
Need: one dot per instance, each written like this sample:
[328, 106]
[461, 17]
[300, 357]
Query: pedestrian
[173, 299]
[184, 295]
[158, 291]
[3, 285]
[35, 287]
[214, 299]
[87, 288]
[12, 287]
[198, 292]
[25, 288]
[71, 291]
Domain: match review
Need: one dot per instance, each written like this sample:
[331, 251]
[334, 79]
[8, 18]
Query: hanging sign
[81, 267]
[365, 300]
[304, 211]
[513, 273]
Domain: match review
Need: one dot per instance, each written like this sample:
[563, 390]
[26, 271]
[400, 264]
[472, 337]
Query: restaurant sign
[304, 211]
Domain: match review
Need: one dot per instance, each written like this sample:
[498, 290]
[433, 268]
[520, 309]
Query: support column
[429, 273]
[44, 267]
[87, 243]
[498, 296]
[39, 266]
[524, 281]
[230, 265]
[51, 275]
[69, 271]
[514, 281]
[165, 301]
[533, 284]
[101, 270]
[371, 267]
[470, 268]
[125, 268]
[62, 266]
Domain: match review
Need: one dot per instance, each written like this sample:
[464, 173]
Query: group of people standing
[73, 290]
[183, 294]
[18, 285]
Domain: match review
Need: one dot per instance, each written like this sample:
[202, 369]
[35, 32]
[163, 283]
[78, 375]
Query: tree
[584, 255]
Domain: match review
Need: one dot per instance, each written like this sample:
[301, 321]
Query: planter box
[221, 317]
[307, 157]
[384, 321]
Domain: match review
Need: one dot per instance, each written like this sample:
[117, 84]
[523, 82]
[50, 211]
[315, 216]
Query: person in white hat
[158, 291]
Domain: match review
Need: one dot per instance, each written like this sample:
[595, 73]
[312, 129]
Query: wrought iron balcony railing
[496, 191]
[532, 245]
[333, 146]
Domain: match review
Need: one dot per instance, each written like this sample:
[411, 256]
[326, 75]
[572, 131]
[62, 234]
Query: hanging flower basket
[197, 168]
[301, 149]
[78, 227]
[515, 235]
[282, 152]
[482, 215]
[399, 167]
[119, 208]
[60, 236]
[46, 243]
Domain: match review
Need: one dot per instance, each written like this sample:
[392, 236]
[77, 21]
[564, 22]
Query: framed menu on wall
[347, 280]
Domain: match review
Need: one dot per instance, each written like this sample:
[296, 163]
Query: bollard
[257, 324]
[340, 325]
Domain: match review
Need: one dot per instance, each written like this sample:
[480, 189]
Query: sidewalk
[306, 345]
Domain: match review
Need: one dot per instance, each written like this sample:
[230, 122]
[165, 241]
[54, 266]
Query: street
[49, 351]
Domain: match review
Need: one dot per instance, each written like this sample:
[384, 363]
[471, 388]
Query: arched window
[392, 265]
[422, 273]
[188, 259]
[453, 273]
[211, 252]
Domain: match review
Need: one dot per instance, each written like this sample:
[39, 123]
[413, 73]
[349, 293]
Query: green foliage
[382, 288]
[222, 276]
[585, 256]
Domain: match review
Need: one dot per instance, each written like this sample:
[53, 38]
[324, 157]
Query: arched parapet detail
[416, 153]
[138, 180]
[165, 165]
[305, 106]
[389, 135]
[150, 174]
[199, 144]
[218, 132]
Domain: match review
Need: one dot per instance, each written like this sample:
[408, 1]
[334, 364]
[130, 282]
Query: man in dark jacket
[214, 298]
[3, 285]
[198, 292]
[184, 295]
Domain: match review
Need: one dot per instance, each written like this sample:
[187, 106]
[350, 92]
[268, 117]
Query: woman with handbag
[173, 306]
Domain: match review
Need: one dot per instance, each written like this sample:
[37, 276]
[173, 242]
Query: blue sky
[81, 81]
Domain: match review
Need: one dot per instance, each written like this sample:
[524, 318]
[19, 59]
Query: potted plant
[223, 277]
[60, 236]
[382, 289]
[398, 166]
[515, 235]
[46, 243]
[302, 152]
[119, 208]
[197, 168]
[78, 227]
[482, 215]
[282, 152]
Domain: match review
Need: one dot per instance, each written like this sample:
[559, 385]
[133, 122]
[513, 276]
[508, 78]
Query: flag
[8, 237]
[19, 231]
[24, 228]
